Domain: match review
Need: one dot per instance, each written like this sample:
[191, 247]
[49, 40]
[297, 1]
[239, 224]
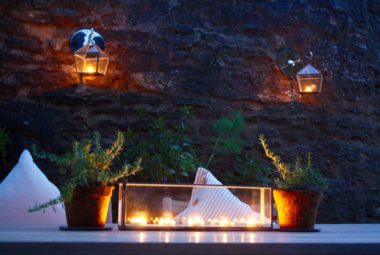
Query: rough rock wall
[216, 56]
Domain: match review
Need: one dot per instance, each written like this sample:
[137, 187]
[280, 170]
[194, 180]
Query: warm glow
[166, 221]
[142, 237]
[197, 237]
[196, 221]
[90, 69]
[310, 88]
[167, 238]
[225, 238]
[140, 220]
[212, 222]
[252, 238]
[226, 223]
[251, 223]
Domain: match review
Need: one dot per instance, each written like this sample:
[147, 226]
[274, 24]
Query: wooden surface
[47, 239]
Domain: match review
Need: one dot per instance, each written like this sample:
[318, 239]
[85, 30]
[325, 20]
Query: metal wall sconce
[309, 79]
[88, 48]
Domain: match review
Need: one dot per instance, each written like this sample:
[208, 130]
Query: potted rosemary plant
[87, 192]
[299, 191]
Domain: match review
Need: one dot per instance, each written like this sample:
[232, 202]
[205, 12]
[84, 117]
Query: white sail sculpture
[24, 187]
[215, 203]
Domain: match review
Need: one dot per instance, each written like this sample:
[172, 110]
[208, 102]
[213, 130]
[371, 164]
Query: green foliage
[299, 176]
[228, 143]
[167, 152]
[228, 137]
[4, 140]
[87, 164]
[247, 171]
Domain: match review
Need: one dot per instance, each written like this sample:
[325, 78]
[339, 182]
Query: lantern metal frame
[90, 58]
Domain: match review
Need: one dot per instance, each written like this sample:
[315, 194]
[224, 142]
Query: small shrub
[87, 164]
[167, 153]
[299, 176]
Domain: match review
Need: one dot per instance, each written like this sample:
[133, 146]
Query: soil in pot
[297, 209]
[89, 207]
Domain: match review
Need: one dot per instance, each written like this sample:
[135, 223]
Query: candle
[251, 222]
[140, 220]
[225, 223]
[196, 221]
[310, 88]
[90, 69]
[166, 221]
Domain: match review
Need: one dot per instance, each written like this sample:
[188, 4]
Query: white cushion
[25, 186]
[215, 203]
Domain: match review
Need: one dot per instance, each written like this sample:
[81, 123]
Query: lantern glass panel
[194, 207]
[309, 84]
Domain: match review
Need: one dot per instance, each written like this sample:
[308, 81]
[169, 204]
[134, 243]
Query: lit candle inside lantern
[140, 220]
[310, 88]
[226, 223]
[212, 222]
[166, 221]
[90, 69]
[251, 222]
[196, 221]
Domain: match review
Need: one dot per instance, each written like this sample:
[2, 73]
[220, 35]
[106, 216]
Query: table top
[338, 238]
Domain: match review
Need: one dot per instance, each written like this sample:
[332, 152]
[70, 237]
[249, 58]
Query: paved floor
[333, 239]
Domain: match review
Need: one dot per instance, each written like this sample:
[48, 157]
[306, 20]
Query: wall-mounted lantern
[309, 79]
[88, 48]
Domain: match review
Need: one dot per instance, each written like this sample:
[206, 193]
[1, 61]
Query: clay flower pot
[89, 207]
[297, 209]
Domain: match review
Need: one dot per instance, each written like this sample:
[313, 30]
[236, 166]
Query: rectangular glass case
[194, 207]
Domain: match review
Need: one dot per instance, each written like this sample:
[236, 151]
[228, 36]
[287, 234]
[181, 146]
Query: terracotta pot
[89, 207]
[297, 209]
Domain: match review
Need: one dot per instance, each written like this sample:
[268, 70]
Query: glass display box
[194, 207]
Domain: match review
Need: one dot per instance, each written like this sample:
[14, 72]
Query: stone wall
[216, 56]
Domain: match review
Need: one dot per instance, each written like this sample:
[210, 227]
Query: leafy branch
[87, 164]
[301, 175]
[228, 136]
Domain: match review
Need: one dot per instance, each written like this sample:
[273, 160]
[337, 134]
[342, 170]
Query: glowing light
[90, 69]
[226, 223]
[225, 238]
[196, 221]
[251, 223]
[212, 222]
[142, 237]
[310, 88]
[167, 238]
[252, 238]
[197, 237]
[140, 220]
[167, 221]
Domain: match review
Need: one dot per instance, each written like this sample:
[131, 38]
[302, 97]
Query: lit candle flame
[196, 221]
[90, 69]
[310, 88]
[225, 223]
[251, 222]
[166, 221]
[140, 220]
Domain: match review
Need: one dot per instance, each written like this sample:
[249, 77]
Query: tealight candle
[197, 221]
[138, 221]
[166, 222]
